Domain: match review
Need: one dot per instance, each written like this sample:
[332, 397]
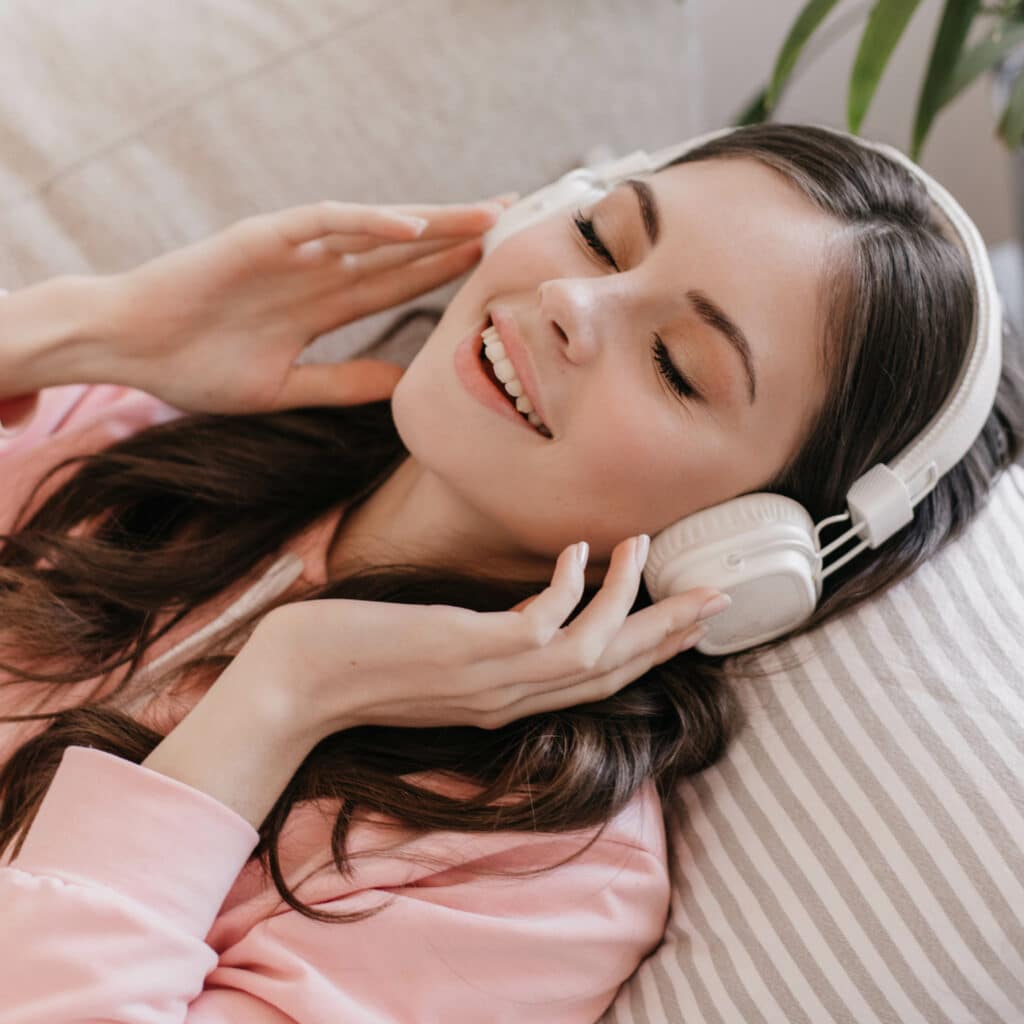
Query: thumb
[349, 383]
[525, 603]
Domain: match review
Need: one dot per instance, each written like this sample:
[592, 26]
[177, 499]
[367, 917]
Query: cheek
[419, 398]
[403, 403]
[623, 452]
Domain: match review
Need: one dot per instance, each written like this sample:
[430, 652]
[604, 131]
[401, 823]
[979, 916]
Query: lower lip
[472, 374]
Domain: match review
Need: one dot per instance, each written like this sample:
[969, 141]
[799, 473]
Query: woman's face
[735, 243]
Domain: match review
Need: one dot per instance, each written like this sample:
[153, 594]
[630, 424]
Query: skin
[628, 456]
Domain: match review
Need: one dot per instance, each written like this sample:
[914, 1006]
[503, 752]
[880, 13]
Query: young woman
[278, 639]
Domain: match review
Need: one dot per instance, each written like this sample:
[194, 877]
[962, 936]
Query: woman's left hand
[215, 326]
[331, 664]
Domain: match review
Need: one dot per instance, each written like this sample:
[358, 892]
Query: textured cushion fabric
[857, 855]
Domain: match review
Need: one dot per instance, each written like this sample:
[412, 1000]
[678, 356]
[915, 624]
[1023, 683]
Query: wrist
[54, 333]
[236, 746]
[262, 675]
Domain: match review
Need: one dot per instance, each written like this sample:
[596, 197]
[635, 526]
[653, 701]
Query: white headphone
[763, 549]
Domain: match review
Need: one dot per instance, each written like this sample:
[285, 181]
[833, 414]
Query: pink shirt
[131, 899]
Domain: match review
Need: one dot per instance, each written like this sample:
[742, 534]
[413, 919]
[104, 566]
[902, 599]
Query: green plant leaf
[754, 112]
[886, 22]
[957, 18]
[982, 56]
[1011, 124]
[806, 22]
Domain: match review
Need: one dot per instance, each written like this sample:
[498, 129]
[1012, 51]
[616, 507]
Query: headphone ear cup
[758, 548]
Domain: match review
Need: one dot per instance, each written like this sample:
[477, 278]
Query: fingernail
[492, 207]
[714, 605]
[643, 545]
[417, 222]
[582, 553]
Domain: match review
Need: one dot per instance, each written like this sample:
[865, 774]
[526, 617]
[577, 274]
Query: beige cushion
[858, 854]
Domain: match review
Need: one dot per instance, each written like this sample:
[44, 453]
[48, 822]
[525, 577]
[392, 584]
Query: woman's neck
[415, 518]
[364, 527]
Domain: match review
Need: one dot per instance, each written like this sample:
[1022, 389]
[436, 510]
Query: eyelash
[679, 383]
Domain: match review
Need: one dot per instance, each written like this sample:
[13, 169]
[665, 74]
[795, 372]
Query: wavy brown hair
[162, 521]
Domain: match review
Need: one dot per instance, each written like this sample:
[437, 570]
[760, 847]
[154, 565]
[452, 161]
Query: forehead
[728, 205]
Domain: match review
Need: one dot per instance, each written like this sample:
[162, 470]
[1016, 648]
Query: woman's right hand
[216, 326]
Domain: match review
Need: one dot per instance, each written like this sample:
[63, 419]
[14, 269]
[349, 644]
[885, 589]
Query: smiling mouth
[497, 382]
[489, 370]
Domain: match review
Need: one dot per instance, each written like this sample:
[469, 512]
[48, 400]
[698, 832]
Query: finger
[360, 243]
[457, 220]
[327, 249]
[606, 624]
[448, 229]
[651, 627]
[353, 382]
[585, 639]
[504, 200]
[647, 629]
[550, 670]
[300, 224]
[496, 639]
[597, 688]
[374, 259]
[394, 286]
[448, 221]
[527, 627]
[541, 616]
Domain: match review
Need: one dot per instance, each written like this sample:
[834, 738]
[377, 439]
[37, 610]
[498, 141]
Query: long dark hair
[164, 520]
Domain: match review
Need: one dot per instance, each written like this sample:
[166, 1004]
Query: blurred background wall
[731, 49]
[129, 127]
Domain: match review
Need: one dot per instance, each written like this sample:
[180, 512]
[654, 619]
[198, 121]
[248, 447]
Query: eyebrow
[709, 311]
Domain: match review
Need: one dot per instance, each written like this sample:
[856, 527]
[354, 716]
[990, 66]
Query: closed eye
[676, 379]
[585, 226]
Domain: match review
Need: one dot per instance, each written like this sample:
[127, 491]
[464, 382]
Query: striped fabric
[858, 855]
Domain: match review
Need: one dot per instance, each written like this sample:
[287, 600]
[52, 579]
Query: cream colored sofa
[857, 856]
[128, 127]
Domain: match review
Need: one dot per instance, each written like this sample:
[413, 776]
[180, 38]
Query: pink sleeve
[72, 419]
[107, 905]
[16, 413]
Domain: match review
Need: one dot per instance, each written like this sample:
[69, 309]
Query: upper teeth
[506, 373]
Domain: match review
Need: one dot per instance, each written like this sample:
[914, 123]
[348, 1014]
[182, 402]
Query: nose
[583, 312]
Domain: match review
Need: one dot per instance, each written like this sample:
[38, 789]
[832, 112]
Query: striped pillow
[858, 854]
